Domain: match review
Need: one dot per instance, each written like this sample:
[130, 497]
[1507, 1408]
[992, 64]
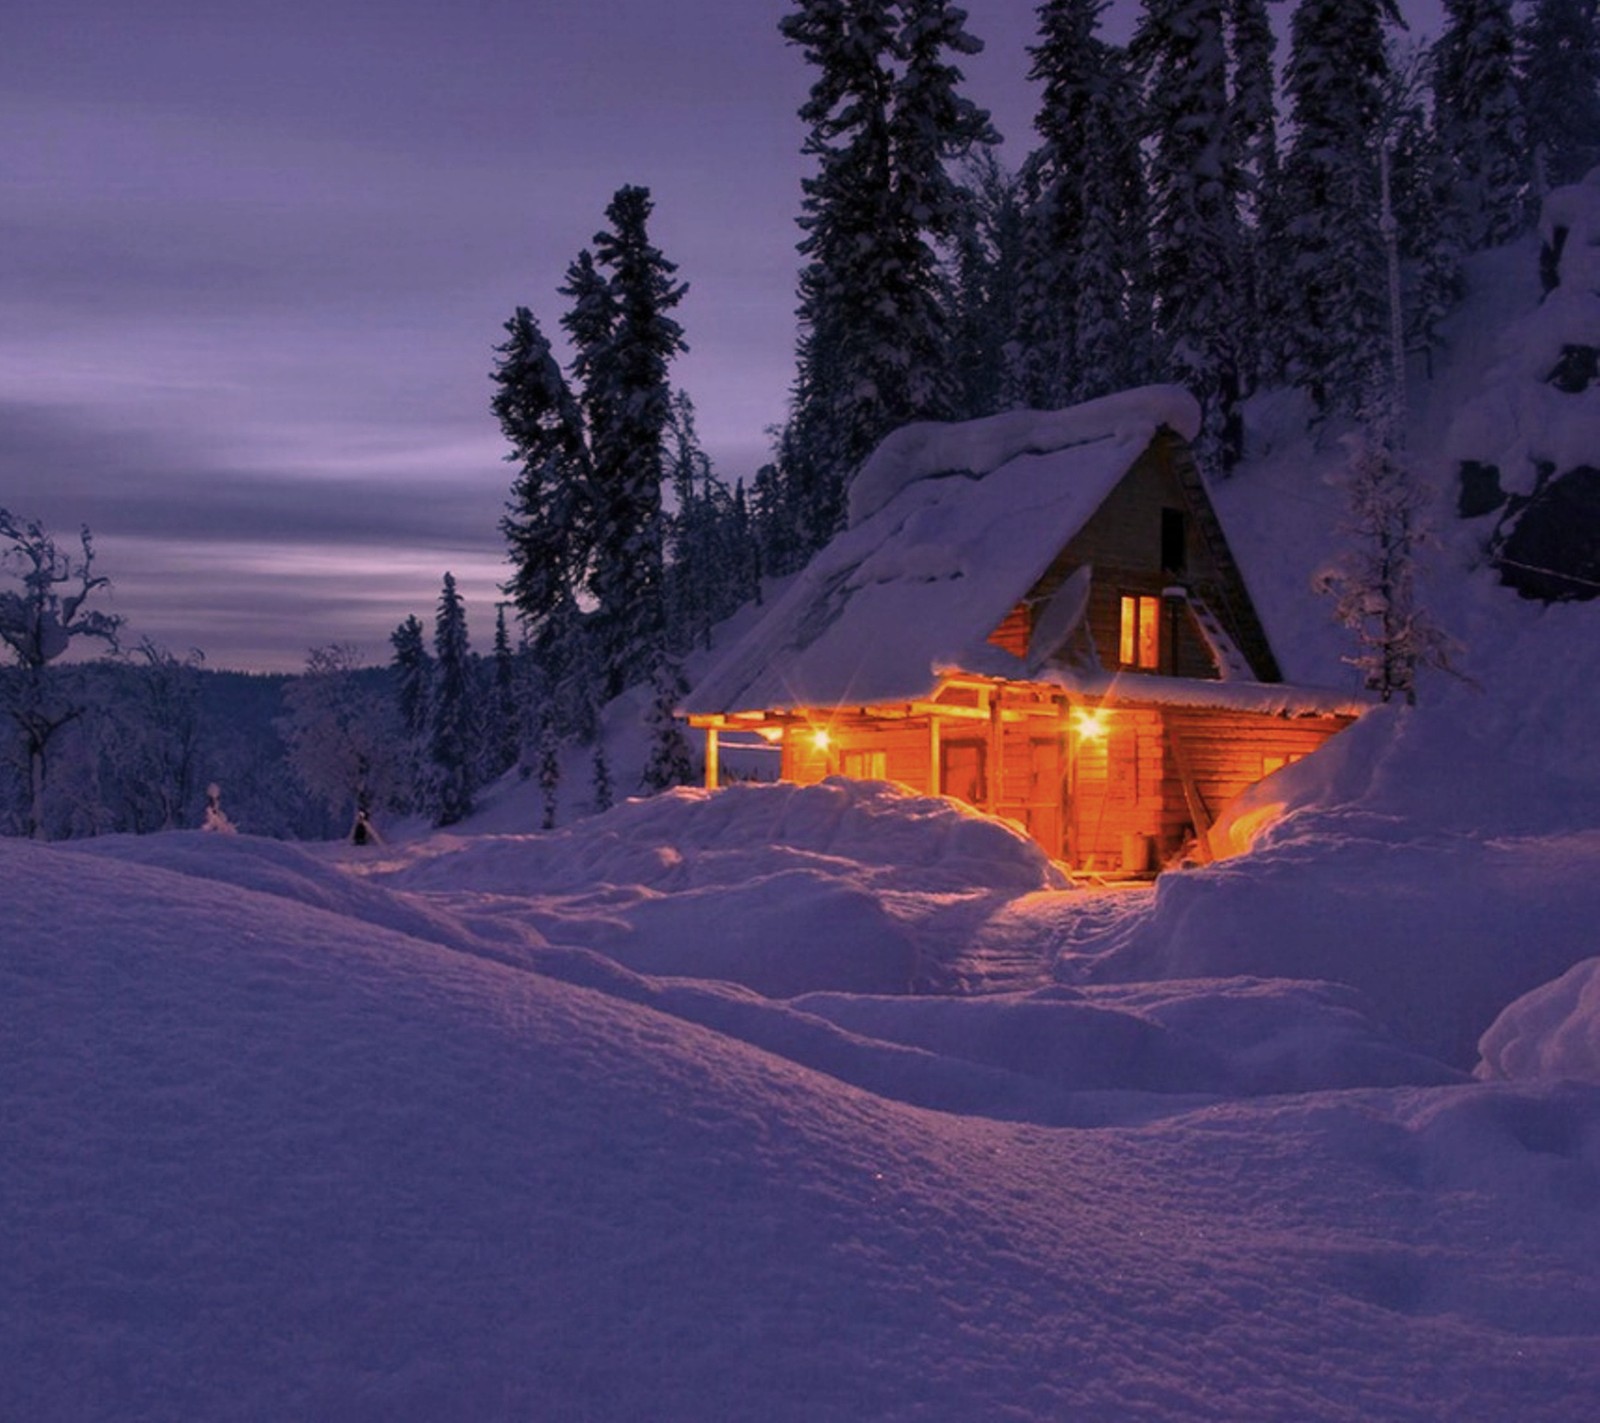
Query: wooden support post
[994, 767]
[1199, 815]
[935, 756]
[713, 759]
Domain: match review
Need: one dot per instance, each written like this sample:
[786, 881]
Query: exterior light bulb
[1090, 725]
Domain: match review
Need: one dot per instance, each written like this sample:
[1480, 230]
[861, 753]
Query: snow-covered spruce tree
[547, 525]
[38, 624]
[1253, 134]
[1200, 262]
[1374, 585]
[412, 670]
[986, 272]
[628, 398]
[1337, 324]
[1083, 313]
[885, 118]
[703, 573]
[547, 752]
[1560, 63]
[500, 736]
[1478, 117]
[450, 749]
[669, 763]
[600, 777]
[1421, 185]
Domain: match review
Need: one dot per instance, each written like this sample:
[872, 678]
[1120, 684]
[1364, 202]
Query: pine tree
[629, 397]
[1083, 308]
[1478, 116]
[600, 768]
[987, 276]
[412, 670]
[1200, 261]
[1337, 330]
[885, 118]
[548, 523]
[1253, 135]
[450, 738]
[669, 763]
[1421, 182]
[502, 734]
[549, 763]
[1561, 89]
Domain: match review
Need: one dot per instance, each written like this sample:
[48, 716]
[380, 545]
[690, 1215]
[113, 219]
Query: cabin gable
[1166, 595]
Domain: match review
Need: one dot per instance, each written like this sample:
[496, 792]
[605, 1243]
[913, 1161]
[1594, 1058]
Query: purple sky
[257, 255]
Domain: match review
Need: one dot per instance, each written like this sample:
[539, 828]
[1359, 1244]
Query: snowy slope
[264, 1156]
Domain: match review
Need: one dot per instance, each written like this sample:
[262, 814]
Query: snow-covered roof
[950, 526]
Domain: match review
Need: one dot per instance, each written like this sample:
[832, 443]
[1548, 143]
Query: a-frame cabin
[1038, 614]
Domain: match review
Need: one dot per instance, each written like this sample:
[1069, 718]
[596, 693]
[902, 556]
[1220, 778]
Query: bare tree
[1374, 582]
[344, 736]
[39, 624]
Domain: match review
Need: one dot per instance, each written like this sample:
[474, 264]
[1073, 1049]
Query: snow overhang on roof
[950, 526]
[1261, 698]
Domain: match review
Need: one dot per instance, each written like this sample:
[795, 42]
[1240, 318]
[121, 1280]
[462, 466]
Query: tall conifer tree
[1083, 318]
[548, 521]
[1561, 89]
[885, 117]
[1478, 116]
[450, 740]
[1337, 327]
[1199, 262]
[627, 390]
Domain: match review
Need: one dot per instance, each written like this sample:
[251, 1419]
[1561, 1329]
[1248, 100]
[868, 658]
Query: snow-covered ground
[833, 1102]
[487, 1127]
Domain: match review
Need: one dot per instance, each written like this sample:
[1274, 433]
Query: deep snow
[342, 1135]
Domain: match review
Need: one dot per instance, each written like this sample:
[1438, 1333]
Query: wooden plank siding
[1109, 802]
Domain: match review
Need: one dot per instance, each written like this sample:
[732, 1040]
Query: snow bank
[1553, 1032]
[1240, 1037]
[1396, 918]
[785, 889]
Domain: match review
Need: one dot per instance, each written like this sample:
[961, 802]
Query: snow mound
[1392, 916]
[690, 838]
[848, 885]
[296, 874]
[1553, 1032]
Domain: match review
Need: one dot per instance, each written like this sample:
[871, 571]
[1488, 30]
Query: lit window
[866, 765]
[1141, 632]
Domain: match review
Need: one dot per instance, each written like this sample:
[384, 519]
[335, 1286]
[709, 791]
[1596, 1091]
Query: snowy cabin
[1038, 614]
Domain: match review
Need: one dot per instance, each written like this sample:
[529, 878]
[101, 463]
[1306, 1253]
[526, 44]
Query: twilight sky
[256, 257]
